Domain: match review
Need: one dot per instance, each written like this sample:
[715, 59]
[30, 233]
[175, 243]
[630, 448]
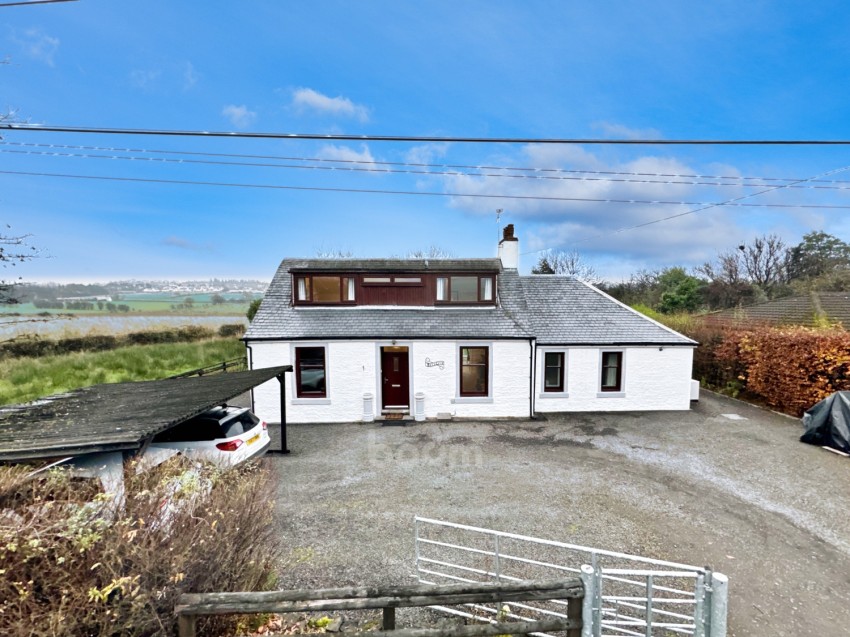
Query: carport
[121, 416]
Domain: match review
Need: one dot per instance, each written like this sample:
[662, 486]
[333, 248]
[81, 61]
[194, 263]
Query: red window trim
[486, 367]
[311, 292]
[478, 276]
[561, 365]
[310, 394]
[619, 368]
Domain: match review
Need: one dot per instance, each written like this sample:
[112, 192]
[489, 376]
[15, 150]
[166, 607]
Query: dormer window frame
[306, 286]
[485, 286]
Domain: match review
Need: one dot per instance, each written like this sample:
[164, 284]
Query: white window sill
[554, 394]
[480, 400]
[311, 401]
[611, 394]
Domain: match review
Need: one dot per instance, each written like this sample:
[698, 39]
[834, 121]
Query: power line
[429, 139]
[20, 4]
[571, 178]
[536, 169]
[185, 182]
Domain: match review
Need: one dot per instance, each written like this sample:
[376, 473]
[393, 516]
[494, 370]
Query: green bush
[230, 330]
[68, 567]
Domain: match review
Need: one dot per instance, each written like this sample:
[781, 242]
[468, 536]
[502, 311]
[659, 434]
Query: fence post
[649, 583]
[588, 578]
[186, 625]
[389, 618]
[719, 604]
[575, 608]
[699, 607]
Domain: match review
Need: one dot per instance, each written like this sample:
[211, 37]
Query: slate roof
[397, 265]
[565, 311]
[794, 310]
[116, 416]
[554, 309]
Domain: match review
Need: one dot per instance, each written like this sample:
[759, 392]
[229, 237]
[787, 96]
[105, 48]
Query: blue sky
[531, 69]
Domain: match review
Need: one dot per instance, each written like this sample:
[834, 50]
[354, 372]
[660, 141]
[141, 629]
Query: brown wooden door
[395, 379]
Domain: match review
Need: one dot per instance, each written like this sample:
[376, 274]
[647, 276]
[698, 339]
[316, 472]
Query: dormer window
[324, 289]
[464, 289]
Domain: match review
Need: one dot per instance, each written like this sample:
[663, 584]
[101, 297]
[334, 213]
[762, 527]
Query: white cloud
[190, 76]
[619, 131]
[304, 99]
[426, 154]
[37, 45]
[568, 208]
[363, 158]
[239, 116]
[185, 244]
[145, 79]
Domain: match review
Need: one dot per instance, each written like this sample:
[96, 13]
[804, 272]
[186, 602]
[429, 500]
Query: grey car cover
[828, 422]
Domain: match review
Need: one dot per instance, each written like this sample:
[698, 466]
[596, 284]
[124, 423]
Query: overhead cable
[185, 182]
[426, 138]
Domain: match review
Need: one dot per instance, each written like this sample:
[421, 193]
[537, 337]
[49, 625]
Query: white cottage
[466, 338]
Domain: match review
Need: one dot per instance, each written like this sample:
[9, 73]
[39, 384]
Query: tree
[566, 262]
[681, 292]
[189, 302]
[218, 299]
[13, 250]
[742, 275]
[433, 252]
[818, 254]
[252, 309]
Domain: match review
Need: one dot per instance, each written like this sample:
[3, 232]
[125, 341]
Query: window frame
[345, 280]
[618, 389]
[560, 389]
[296, 357]
[488, 368]
[479, 276]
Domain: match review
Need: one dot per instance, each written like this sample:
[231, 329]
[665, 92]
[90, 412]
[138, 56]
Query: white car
[223, 435]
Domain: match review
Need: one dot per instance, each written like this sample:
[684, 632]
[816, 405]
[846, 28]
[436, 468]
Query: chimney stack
[509, 248]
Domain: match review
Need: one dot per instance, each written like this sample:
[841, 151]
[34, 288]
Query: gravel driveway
[740, 495]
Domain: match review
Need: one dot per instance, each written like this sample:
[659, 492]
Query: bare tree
[566, 262]
[333, 253]
[433, 252]
[13, 250]
[764, 261]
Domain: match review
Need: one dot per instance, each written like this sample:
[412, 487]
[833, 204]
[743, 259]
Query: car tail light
[231, 445]
[265, 425]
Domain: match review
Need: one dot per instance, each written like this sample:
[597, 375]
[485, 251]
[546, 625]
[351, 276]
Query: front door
[395, 378]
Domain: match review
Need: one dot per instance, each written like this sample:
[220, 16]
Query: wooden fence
[233, 365]
[194, 605]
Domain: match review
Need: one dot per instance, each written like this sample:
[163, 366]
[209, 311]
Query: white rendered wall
[353, 369]
[653, 379]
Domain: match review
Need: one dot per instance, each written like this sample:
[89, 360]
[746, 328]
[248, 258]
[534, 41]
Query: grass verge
[24, 379]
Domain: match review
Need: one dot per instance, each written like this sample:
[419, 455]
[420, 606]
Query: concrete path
[726, 485]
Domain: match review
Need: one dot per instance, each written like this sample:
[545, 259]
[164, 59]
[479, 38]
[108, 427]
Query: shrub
[71, 568]
[230, 330]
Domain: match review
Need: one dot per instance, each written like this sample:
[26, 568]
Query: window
[474, 371]
[324, 289]
[310, 372]
[465, 289]
[612, 371]
[553, 372]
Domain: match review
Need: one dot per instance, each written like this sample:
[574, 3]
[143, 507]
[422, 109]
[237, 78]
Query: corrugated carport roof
[117, 416]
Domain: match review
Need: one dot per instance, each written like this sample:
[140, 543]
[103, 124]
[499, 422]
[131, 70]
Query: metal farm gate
[624, 594]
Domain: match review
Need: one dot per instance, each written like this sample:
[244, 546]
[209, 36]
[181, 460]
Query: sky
[105, 207]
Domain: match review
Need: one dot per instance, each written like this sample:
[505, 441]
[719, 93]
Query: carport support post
[281, 379]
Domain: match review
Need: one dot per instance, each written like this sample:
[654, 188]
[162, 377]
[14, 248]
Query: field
[24, 379]
[150, 305]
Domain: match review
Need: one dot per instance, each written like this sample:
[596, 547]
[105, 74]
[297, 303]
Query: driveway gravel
[726, 485]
